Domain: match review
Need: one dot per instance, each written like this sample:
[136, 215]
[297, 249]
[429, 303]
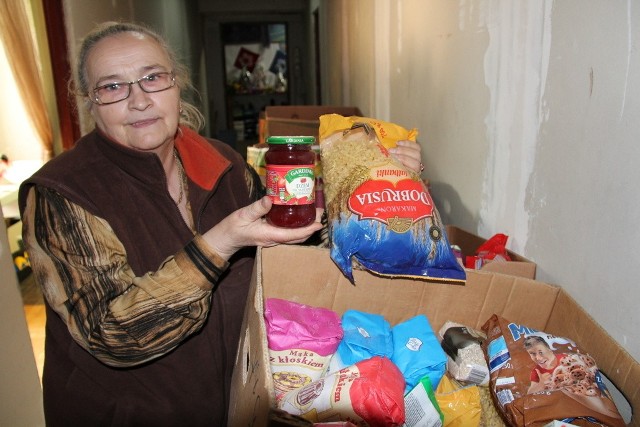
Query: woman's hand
[247, 227]
[409, 153]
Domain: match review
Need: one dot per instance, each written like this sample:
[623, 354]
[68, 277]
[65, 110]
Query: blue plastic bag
[417, 352]
[365, 335]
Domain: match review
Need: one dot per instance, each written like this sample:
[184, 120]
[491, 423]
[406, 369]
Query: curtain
[15, 33]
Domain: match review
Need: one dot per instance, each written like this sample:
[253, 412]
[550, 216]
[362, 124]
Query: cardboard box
[469, 243]
[255, 158]
[307, 275]
[297, 120]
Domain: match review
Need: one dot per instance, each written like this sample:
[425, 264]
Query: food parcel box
[300, 120]
[306, 274]
[469, 243]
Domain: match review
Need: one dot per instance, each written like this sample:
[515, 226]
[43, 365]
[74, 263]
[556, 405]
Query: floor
[35, 313]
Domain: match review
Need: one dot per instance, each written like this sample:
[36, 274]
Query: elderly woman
[140, 238]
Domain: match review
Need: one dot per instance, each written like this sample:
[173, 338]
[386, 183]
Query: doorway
[256, 65]
[253, 61]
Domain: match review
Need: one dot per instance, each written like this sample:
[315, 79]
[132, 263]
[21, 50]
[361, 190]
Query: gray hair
[190, 116]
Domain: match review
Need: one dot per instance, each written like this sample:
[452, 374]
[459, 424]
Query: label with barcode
[478, 374]
[419, 410]
[504, 397]
[505, 381]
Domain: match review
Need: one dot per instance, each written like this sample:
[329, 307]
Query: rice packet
[381, 216]
[465, 357]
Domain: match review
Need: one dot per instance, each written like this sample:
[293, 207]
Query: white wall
[527, 113]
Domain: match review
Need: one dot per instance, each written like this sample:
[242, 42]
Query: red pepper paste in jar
[290, 180]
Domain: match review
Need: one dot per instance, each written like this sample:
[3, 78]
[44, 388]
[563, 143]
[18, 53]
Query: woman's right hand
[247, 227]
[410, 154]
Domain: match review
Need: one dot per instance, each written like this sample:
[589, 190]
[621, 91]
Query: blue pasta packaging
[381, 216]
[365, 335]
[417, 352]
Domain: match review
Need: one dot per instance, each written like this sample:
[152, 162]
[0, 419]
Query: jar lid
[291, 140]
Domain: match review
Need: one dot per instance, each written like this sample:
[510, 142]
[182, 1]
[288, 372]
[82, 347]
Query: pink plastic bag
[302, 339]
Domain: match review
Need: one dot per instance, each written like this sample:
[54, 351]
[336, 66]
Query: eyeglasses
[111, 93]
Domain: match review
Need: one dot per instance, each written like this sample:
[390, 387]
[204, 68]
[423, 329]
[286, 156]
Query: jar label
[291, 184]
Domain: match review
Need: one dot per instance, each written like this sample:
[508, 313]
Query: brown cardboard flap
[570, 320]
[251, 386]
[291, 128]
[514, 268]
[310, 122]
[308, 112]
[300, 120]
[322, 284]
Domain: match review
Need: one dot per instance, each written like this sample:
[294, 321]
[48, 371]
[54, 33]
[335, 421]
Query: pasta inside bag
[381, 216]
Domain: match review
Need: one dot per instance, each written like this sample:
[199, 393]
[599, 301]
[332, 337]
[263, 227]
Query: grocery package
[255, 158]
[334, 424]
[421, 407]
[494, 249]
[301, 341]
[365, 335]
[536, 378]
[465, 357]
[417, 351]
[381, 215]
[460, 404]
[369, 393]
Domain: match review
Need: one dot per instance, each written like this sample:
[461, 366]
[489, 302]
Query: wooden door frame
[61, 69]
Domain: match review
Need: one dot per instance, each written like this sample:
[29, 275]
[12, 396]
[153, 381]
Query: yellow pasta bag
[460, 405]
[381, 216]
[388, 133]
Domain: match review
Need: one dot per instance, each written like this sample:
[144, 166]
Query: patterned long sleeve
[121, 319]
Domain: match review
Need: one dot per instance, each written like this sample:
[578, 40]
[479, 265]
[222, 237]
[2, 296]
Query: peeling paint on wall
[515, 66]
[629, 51]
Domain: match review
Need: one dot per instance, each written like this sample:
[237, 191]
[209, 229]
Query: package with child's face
[536, 378]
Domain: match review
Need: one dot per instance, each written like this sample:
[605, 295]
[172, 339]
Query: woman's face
[143, 121]
[542, 356]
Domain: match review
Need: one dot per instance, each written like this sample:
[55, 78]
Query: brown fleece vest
[190, 385]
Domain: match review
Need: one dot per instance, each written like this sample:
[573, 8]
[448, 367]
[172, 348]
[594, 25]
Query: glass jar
[290, 180]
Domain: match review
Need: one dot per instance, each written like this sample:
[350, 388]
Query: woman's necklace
[184, 193]
[181, 176]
